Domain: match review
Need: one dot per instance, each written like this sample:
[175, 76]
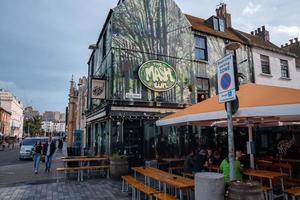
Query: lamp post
[231, 150]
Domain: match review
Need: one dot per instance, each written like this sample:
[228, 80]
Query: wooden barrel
[249, 190]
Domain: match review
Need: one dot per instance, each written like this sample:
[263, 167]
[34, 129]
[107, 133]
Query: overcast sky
[44, 42]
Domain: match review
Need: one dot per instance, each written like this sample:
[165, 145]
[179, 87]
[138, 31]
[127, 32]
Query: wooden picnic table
[267, 175]
[172, 160]
[294, 161]
[81, 161]
[166, 178]
[86, 159]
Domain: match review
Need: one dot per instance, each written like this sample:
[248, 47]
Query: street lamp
[231, 47]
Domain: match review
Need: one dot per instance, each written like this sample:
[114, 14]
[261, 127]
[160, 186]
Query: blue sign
[77, 138]
[225, 81]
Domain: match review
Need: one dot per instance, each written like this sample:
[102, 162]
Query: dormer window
[219, 24]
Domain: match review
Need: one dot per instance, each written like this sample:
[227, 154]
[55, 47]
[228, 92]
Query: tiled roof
[199, 25]
[235, 35]
[258, 42]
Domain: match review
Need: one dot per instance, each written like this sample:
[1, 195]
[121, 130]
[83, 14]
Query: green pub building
[151, 60]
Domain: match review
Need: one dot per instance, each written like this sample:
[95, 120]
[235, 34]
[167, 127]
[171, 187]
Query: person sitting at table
[224, 167]
[209, 155]
[189, 162]
[200, 161]
[216, 158]
[243, 158]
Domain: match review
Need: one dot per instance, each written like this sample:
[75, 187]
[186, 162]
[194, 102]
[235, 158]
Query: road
[11, 157]
[17, 172]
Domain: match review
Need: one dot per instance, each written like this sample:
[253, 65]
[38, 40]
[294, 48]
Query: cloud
[7, 85]
[251, 9]
[290, 30]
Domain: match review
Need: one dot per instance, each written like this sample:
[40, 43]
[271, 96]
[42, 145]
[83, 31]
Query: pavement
[101, 189]
[18, 181]
[15, 172]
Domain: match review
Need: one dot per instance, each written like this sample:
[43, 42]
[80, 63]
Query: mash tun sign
[157, 75]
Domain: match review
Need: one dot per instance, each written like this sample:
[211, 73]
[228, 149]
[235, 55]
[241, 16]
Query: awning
[256, 102]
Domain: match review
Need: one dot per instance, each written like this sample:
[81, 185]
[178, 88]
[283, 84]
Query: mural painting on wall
[144, 30]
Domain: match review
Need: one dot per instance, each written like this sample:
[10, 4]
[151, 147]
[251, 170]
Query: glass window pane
[216, 24]
[200, 42]
[284, 69]
[222, 25]
[265, 64]
[200, 54]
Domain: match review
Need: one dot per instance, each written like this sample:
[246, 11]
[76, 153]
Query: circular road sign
[225, 81]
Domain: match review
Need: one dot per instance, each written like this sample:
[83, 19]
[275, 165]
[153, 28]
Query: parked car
[27, 145]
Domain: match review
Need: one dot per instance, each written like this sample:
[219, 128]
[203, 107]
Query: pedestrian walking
[49, 150]
[37, 156]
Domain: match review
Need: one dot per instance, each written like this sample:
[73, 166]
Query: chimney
[221, 12]
[286, 44]
[282, 46]
[252, 33]
[291, 41]
[263, 33]
[296, 40]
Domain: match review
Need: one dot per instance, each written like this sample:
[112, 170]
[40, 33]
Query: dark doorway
[133, 140]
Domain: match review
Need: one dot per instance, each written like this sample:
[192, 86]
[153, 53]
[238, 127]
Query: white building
[10, 103]
[271, 64]
[53, 127]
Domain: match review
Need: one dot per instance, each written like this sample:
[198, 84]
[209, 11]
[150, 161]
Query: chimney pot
[292, 41]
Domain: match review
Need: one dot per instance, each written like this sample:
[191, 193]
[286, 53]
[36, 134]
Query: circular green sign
[157, 75]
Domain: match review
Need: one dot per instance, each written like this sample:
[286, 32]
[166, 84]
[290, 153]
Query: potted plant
[118, 165]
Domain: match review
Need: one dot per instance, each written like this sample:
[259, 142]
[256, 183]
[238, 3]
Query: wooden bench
[164, 196]
[137, 187]
[188, 175]
[81, 169]
[293, 192]
[268, 193]
[283, 167]
[178, 169]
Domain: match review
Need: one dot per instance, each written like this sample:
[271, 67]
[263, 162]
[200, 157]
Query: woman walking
[37, 156]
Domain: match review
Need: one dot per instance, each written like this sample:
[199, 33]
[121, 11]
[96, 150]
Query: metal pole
[231, 156]
[250, 141]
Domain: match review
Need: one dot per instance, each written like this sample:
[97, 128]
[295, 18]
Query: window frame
[263, 65]
[217, 25]
[203, 91]
[201, 48]
[284, 68]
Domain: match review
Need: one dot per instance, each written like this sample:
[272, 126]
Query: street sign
[226, 81]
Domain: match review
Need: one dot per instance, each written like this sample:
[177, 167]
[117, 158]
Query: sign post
[226, 92]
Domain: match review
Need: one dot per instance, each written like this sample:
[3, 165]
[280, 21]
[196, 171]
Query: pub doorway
[133, 141]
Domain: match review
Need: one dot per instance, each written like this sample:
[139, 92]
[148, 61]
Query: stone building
[14, 106]
[71, 112]
[30, 113]
[77, 106]
[5, 122]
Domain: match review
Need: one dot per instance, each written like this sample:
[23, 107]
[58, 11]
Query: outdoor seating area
[83, 165]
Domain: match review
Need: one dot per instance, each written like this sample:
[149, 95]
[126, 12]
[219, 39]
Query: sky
[44, 42]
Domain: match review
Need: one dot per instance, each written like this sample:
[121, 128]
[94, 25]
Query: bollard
[209, 186]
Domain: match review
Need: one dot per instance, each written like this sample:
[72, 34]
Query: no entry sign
[226, 84]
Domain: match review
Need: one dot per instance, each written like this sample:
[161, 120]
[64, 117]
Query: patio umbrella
[258, 104]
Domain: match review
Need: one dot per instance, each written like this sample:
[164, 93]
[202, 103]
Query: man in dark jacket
[49, 151]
